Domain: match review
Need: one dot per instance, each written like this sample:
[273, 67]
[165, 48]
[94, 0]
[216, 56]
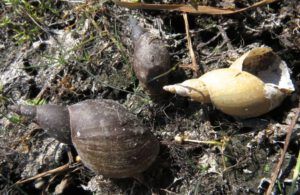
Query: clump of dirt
[65, 52]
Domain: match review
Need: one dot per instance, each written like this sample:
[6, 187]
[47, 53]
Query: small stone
[39, 183]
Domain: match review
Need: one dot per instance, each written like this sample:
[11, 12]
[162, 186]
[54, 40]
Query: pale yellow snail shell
[237, 92]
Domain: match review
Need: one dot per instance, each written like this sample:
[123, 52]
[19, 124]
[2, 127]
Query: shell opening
[269, 67]
[278, 74]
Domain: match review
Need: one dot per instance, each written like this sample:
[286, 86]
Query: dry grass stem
[286, 144]
[62, 168]
[190, 9]
[194, 65]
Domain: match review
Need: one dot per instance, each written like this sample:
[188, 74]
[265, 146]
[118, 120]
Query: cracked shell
[255, 83]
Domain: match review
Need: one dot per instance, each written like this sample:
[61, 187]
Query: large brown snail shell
[113, 143]
[250, 93]
[151, 60]
[109, 139]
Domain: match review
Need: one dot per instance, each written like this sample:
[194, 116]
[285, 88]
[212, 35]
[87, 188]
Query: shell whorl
[193, 88]
[113, 142]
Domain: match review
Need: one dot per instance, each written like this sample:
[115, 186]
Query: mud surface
[62, 52]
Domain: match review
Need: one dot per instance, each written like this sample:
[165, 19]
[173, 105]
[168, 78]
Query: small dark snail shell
[151, 60]
[108, 138]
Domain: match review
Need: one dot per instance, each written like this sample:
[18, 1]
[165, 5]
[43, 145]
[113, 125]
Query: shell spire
[193, 88]
[25, 110]
[54, 119]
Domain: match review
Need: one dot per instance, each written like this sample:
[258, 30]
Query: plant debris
[63, 52]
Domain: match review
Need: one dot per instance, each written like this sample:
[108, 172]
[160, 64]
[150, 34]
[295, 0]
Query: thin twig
[168, 191]
[35, 22]
[46, 173]
[194, 66]
[190, 9]
[286, 144]
[165, 73]
[42, 92]
[225, 37]
[199, 46]
[47, 31]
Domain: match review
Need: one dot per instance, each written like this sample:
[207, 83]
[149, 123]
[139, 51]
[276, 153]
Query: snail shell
[151, 60]
[109, 139]
[240, 93]
[113, 143]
